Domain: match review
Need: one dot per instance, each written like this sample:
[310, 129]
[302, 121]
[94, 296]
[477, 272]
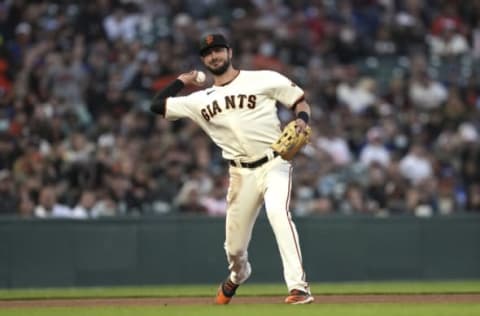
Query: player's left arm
[289, 94]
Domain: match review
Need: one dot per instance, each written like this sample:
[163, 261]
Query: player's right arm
[159, 101]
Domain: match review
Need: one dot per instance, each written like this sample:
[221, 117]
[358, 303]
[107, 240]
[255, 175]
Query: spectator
[395, 189]
[75, 80]
[410, 26]
[8, 151]
[421, 200]
[469, 154]
[384, 45]
[85, 206]
[9, 201]
[105, 206]
[120, 25]
[168, 186]
[189, 200]
[49, 207]
[473, 203]
[336, 146]
[375, 151]
[20, 43]
[446, 200]
[353, 201]
[416, 166]
[376, 189]
[356, 95]
[26, 207]
[449, 43]
[215, 202]
[448, 16]
[347, 44]
[426, 93]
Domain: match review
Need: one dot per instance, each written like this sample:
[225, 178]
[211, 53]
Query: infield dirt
[319, 299]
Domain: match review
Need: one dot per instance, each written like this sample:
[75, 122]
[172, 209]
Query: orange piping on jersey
[302, 98]
[287, 207]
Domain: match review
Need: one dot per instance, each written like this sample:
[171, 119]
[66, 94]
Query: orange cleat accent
[221, 299]
[225, 292]
[299, 297]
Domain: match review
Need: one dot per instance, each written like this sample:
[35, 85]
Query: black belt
[253, 164]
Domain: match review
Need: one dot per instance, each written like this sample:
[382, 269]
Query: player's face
[217, 60]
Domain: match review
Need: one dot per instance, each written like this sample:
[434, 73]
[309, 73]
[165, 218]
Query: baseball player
[239, 114]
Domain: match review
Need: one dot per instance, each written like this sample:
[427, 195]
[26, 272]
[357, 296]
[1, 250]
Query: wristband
[158, 102]
[173, 88]
[303, 116]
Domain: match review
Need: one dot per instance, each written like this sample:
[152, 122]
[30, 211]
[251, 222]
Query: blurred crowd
[394, 87]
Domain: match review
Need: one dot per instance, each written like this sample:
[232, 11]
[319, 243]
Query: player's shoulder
[261, 72]
[265, 74]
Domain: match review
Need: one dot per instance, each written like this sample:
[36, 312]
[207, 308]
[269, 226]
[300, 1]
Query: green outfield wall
[171, 250]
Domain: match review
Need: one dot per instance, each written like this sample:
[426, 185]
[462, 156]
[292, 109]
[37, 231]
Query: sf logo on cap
[209, 39]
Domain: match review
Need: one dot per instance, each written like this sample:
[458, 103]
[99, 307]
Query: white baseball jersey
[240, 116]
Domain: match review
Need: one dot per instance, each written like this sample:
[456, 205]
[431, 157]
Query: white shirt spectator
[468, 133]
[121, 26]
[375, 151]
[457, 45]
[85, 205]
[57, 211]
[48, 206]
[337, 148]
[427, 94]
[357, 97]
[79, 212]
[415, 166]
[448, 43]
[215, 206]
[104, 207]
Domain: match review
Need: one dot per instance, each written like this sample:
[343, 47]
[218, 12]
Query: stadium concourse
[394, 88]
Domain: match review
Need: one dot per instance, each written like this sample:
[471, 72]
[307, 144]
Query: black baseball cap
[213, 40]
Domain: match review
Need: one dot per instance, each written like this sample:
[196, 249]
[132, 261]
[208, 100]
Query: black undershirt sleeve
[159, 100]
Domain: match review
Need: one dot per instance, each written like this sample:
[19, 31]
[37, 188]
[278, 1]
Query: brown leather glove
[290, 142]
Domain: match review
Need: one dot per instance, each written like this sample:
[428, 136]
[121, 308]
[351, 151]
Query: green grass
[261, 310]
[405, 287]
[367, 309]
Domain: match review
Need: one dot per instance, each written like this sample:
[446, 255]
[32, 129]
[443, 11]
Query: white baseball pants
[269, 183]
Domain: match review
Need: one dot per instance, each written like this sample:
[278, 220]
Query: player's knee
[233, 249]
[238, 256]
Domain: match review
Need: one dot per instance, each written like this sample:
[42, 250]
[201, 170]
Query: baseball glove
[290, 142]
